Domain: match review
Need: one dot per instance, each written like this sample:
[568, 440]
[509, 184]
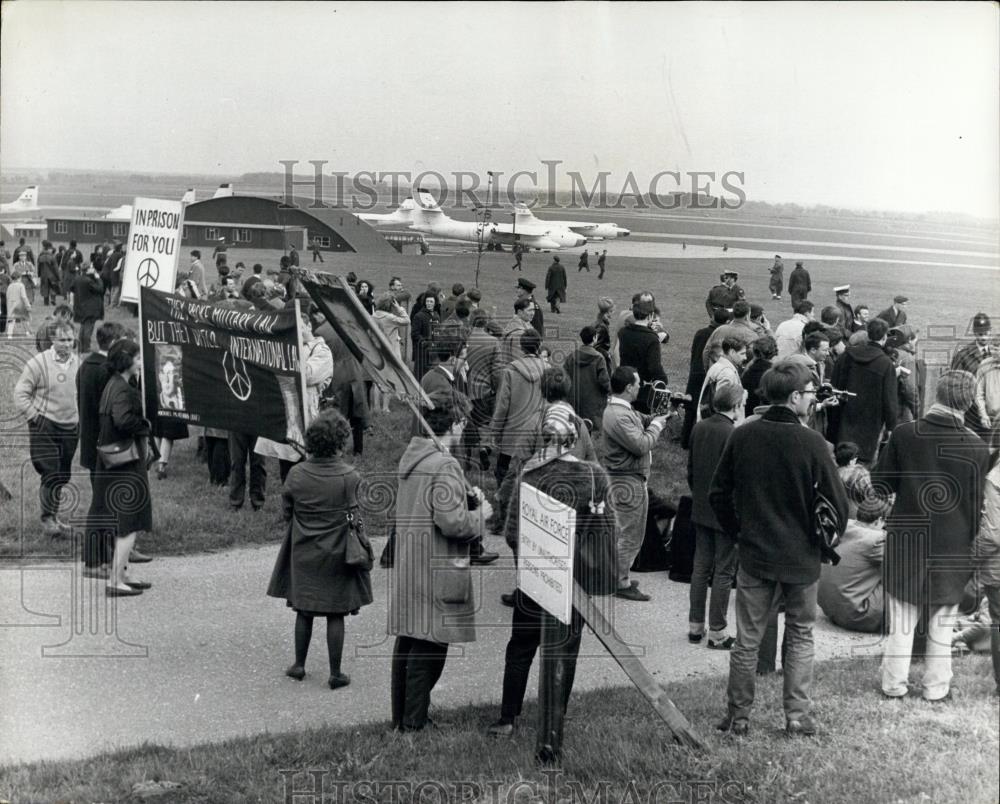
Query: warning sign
[153, 247]
[546, 533]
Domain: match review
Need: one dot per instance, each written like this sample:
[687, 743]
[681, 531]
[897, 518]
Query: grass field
[616, 750]
[191, 516]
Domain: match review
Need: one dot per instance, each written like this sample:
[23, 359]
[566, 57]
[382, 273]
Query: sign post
[153, 248]
[546, 547]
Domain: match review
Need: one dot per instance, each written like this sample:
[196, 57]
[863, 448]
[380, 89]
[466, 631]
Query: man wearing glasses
[763, 494]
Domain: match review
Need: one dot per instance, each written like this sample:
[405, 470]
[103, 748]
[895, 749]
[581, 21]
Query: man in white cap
[843, 304]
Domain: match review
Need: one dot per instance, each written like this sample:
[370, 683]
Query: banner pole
[302, 367]
[142, 355]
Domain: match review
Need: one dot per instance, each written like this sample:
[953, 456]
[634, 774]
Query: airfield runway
[201, 656]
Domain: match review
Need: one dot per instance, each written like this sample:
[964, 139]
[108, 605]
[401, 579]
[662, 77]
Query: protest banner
[216, 366]
[153, 247]
[546, 535]
[340, 306]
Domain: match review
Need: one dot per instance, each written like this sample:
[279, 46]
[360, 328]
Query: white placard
[153, 247]
[546, 535]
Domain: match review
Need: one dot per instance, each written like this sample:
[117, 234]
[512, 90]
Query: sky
[862, 105]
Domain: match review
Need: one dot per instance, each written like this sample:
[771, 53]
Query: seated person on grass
[851, 593]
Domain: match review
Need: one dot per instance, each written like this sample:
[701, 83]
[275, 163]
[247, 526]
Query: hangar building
[245, 221]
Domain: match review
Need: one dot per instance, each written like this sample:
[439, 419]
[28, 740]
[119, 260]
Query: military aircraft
[429, 218]
[591, 230]
[401, 216]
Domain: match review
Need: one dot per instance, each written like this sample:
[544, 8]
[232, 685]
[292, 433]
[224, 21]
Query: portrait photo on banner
[169, 378]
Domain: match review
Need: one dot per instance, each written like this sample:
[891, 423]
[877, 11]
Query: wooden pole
[679, 726]
[551, 689]
[302, 367]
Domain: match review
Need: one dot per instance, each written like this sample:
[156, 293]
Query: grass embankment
[868, 750]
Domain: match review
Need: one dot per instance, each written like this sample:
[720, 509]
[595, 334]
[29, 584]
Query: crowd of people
[775, 418]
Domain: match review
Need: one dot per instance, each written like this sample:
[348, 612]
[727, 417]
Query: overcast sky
[865, 105]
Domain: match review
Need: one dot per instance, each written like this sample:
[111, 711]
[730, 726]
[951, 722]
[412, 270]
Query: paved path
[201, 656]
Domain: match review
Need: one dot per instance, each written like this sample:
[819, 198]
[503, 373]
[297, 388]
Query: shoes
[725, 644]
[507, 598]
[97, 573]
[889, 697]
[235, 508]
[500, 729]
[803, 727]
[256, 507]
[142, 585]
[51, 528]
[135, 557]
[484, 557]
[946, 698]
[734, 725]
[694, 639]
[632, 593]
[296, 671]
[338, 680]
[117, 591]
[161, 471]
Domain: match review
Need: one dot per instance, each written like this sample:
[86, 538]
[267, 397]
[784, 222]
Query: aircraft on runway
[26, 206]
[401, 216]
[591, 230]
[429, 218]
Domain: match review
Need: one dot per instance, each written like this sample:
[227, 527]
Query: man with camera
[629, 438]
[764, 496]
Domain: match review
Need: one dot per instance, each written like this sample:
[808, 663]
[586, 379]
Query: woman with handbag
[121, 483]
[323, 565]
[431, 602]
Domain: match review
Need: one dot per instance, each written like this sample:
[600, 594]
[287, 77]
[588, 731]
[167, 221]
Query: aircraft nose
[580, 241]
[625, 232]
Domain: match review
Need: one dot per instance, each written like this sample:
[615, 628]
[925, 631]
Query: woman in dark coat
[121, 493]
[319, 498]
[584, 487]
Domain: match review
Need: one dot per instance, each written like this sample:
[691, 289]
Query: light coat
[430, 594]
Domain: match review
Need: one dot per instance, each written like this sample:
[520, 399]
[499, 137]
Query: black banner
[215, 366]
[340, 306]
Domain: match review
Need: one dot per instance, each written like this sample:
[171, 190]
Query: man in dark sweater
[715, 550]
[867, 371]
[763, 494]
[639, 347]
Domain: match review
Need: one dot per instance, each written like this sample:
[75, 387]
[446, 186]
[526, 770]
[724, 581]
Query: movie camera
[663, 401]
[827, 391]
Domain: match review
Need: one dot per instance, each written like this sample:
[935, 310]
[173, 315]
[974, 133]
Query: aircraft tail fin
[189, 196]
[224, 191]
[26, 200]
[524, 215]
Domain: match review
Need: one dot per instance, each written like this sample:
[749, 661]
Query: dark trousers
[416, 667]
[993, 597]
[284, 467]
[317, 257]
[500, 467]
[240, 451]
[52, 447]
[86, 333]
[3, 310]
[98, 538]
[217, 456]
[525, 636]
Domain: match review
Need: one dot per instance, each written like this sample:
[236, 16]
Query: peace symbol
[149, 273]
[237, 376]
